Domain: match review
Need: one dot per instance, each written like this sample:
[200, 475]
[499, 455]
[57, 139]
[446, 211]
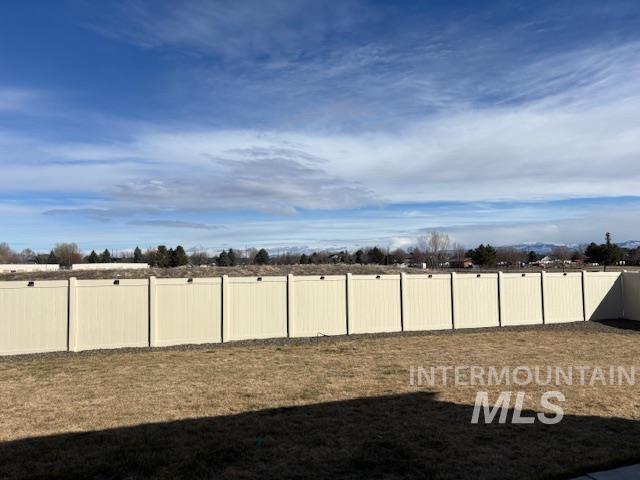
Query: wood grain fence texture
[75, 315]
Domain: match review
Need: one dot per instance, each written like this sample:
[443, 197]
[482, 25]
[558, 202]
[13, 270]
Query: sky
[293, 124]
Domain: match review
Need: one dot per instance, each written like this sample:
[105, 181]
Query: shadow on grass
[402, 436]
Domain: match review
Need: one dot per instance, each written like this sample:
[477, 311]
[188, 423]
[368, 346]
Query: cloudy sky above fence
[306, 123]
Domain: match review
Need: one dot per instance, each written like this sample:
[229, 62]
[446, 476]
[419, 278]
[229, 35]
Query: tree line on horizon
[435, 251]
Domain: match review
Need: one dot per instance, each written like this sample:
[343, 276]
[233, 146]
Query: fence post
[349, 288]
[403, 284]
[453, 300]
[153, 310]
[290, 307]
[500, 299]
[622, 296]
[72, 328]
[225, 308]
[584, 295]
[543, 281]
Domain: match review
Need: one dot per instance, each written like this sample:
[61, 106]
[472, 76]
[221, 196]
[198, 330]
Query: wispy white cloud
[283, 122]
[572, 142]
[17, 100]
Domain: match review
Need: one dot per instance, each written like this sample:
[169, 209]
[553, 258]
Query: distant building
[465, 263]
[546, 260]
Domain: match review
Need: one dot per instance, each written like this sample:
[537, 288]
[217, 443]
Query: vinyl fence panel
[426, 302]
[475, 300]
[603, 295]
[317, 305]
[563, 301]
[520, 299]
[374, 303]
[254, 307]
[631, 286]
[185, 311]
[33, 318]
[108, 314]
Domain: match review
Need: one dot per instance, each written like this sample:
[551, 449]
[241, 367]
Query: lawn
[334, 407]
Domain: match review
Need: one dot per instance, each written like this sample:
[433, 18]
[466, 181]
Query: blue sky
[318, 124]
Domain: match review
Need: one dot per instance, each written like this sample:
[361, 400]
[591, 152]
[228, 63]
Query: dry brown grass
[213, 271]
[246, 271]
[337, 407]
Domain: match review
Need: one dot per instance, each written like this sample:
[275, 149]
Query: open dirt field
[337, 407]
[256, 270]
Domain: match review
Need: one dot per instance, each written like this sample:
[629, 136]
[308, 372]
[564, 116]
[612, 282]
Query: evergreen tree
[483, 255]
[233, 260]
[163, 257]
[180, 257]
[375, 255]
[52, 259]
[532, 257]
[137, 255]
[223, 259]
[315, 258]
[151, 257]
[304, 259]
[360, 258]
[607, 253]
[93, 257]
[262, 257]
[105, 257]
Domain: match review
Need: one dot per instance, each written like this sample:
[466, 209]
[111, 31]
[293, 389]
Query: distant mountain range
[540, 247]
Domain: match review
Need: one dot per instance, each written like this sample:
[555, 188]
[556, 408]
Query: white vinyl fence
[373, 303]
[108, 314]
[28, 267]
[562, 295]
[475, 300]
[317, 305]
[520, 299]
[75, 315]
[631, 295]
[603, 295]
[426, 301]
[185, 311]
[109, 266]
[33, 316]
[256, 307]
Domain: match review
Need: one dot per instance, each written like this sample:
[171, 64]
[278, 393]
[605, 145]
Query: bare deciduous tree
[437, 247]
[7, 255]
[459, 252]
[510, 256]
[562, 253]
[67, 253]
